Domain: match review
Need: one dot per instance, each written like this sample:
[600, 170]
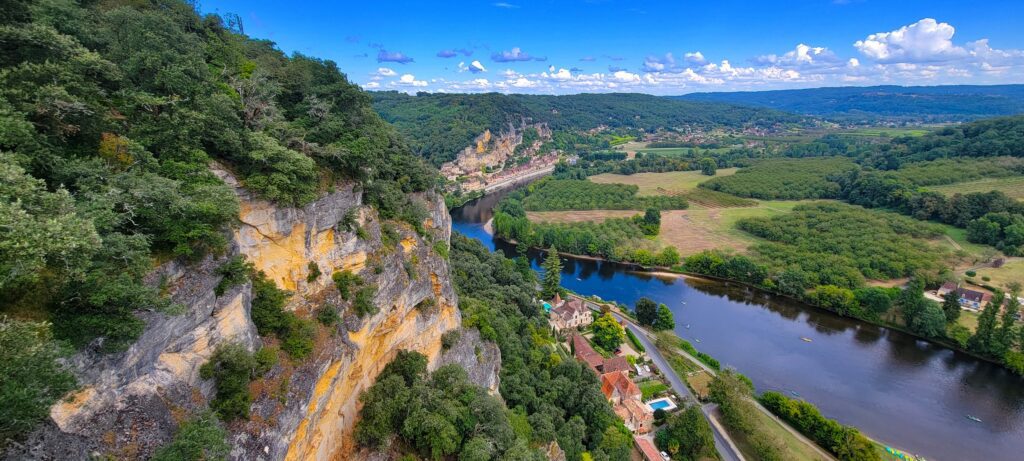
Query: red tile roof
[647, 449]
[615, 364]
[619, 381]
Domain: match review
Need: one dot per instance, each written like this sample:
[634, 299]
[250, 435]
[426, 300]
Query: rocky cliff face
[131, 402]
[491, 150]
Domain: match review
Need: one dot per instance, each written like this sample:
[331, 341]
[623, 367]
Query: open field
[673, 182]
[792, 447]
[699, 382]
[1012, 271]
[883, 132]
[1013, 187]
[682, 151]
[690, 231]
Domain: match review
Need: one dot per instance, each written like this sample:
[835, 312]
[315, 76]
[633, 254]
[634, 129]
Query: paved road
[721, 444]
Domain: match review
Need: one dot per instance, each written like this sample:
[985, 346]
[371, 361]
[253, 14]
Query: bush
[31, 379]
[441, 248]
[232, 367]
[986, 278]
[201, 437]
[268, 314]
[844, 441]
[450, 338]
[345, 280]
[328, 315]
[363, 303]
[314, 272]
[634, 341]
[970, 273]
[233, 272]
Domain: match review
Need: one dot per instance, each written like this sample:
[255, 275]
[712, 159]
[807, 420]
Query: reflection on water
[893, 386]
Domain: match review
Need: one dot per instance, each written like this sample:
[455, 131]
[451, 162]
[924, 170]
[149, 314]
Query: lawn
[673, 182]
[793, 448]
[1012, 271]
[1012, 186]
[651, 388]
[699, 382]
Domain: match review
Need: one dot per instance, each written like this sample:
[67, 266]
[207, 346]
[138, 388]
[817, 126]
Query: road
[725, 448]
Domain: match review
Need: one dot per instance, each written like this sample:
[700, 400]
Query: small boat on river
[806, 339]
[974, 418]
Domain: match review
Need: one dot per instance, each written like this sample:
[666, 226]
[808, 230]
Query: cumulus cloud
[409, 80]
[695, 57]
[923, 41]
[447, 54]
[393, 56]
[475, 67]
[371, 85]
[513, 55]
[386, 72]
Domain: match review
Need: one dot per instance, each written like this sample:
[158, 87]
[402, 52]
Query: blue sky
[657, 47]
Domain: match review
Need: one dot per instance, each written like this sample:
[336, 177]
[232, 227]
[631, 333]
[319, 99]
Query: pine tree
[552, 274]
[1003, 341]
[951, 306]
[984, 335]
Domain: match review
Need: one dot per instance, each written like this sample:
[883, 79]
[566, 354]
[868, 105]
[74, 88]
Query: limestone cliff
[484, 161]
[131, 402]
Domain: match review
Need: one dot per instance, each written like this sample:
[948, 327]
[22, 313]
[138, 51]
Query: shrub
[634, 341]
[314, 271]
[201, 437]
[233, 272]
[232, 367]
[31, 379]
[345, 280]
[328, 315]
[268, 314]
[986, 278]
[971, 273]
[441, 248]
[450, 338]
[388, 236]
[363, 303]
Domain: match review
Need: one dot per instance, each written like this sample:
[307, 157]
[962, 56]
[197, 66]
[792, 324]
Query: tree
[552, 281]
[608, 334]
[201, 437]
[664, 320]
[930, 322]
[31, 379]
[1004, 337]
[646, 311]
[951, 306]
[984, 335]
[686, 435]
[708, 166]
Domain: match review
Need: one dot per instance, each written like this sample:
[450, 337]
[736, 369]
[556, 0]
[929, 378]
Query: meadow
[670, 183]
[1013, 187]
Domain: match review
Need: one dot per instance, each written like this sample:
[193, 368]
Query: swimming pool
[661, 404]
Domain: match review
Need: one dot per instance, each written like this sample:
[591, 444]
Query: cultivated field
[1012, 187]
[882, 132]
[673, 182]
[690, 231]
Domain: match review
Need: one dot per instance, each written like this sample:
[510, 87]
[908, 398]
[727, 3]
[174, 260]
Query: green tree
[708, 166]
[1005, 335]
[983, 341]
[665, 321]
[686, 435]
[31, 379]
[930, 322]
[608, 334]
[552, 281]
[646, 311]
[951, 306]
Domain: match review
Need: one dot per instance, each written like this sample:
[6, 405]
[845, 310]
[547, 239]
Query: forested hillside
[439, 125]
[110, 114]
[933, 103]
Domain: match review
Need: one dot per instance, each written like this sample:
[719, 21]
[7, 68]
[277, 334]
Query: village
[631, 382]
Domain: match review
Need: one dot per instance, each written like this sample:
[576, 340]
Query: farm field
[1012, 271]
[690, 231]
[1012, 187]
[883, 132]
[681, 151]
[661, 183]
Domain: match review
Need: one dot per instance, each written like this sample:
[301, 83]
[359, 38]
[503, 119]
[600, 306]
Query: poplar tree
[552, 274]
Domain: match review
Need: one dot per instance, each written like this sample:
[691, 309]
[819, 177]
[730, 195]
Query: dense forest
[786, 179]
[440, 125]
[920, 103]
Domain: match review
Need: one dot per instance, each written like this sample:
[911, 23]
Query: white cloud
[386, 72]
[410, 80]
[560, 75]
[523, 82]
[695, 57]
[371, 85]
[922, 41]
[474, 67]
[626, 77]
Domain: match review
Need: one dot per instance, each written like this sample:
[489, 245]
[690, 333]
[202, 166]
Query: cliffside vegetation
[110, 114]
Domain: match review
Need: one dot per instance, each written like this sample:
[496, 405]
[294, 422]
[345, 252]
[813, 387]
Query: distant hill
[924, 103]
[439, 125]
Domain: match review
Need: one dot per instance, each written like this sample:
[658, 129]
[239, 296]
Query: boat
[806, 339]
[974, 418]
[794, 393]
[698, 340]
[687, 326]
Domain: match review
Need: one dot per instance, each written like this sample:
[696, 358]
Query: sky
[656, 47]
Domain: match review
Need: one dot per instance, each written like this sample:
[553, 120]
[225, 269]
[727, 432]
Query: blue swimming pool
[660, 404]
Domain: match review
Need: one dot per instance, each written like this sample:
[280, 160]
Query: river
[896, 388]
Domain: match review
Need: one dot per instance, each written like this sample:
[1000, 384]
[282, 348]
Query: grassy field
[1012, 271]
[673, 182]
[882, 132]
[793, 448]
[681, 151]
[1012, 187]
[651, 388]
[690, 231]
